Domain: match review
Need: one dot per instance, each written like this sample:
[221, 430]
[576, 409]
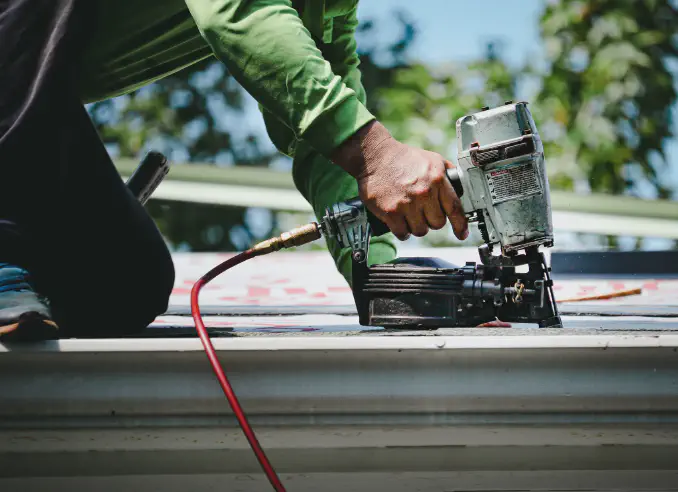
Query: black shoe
[24, 315]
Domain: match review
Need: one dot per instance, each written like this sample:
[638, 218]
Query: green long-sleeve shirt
[298, 61]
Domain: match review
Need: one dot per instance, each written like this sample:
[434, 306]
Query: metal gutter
[342, 344]
[467, 481]
[342, 404]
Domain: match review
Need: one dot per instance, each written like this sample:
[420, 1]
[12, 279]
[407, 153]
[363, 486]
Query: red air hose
[296, 237]
[219, 371]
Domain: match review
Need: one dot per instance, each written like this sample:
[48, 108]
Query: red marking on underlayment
[651, 285]
[220, 324]
[339, 289]
[180, 291]
[239, 300]
[187, 290]
[617, 285]
[294, 290]
[319, 294]
[258, 292]
[215, 286]
[284, 329]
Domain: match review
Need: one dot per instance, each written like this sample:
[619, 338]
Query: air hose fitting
[290, 239]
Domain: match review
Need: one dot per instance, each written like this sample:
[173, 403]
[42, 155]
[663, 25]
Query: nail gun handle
[146, 178]
[379, 228]
[455, 181]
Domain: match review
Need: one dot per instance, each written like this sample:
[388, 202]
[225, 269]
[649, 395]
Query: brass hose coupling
[290, 239]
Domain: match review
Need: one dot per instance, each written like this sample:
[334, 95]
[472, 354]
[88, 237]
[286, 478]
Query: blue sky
[458, 30]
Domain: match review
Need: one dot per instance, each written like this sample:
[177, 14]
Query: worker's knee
[155, 291]
[145, 294]
[148, 296]
[122, 300]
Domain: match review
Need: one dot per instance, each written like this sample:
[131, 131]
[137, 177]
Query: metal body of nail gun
[501, 180]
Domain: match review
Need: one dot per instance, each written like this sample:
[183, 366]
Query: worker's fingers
[452, 207]
[398, 226]
[416, 222]
[434, 214]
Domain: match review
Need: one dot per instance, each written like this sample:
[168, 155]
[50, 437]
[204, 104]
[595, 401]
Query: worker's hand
[404, 187]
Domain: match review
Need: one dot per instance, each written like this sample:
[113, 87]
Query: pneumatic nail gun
[502, 183]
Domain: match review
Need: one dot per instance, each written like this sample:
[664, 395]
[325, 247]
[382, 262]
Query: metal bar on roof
[258, 177]
[290, 200]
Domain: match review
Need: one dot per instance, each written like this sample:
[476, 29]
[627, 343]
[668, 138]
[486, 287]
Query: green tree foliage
[420, 104]
[607, 95]
[190, 116]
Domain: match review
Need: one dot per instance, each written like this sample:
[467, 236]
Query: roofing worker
[77, 250]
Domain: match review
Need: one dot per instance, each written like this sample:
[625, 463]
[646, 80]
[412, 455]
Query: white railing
[258, 187]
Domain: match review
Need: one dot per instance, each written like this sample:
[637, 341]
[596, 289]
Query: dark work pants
[65, 213]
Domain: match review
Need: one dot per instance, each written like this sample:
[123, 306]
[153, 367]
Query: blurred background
[600, 76]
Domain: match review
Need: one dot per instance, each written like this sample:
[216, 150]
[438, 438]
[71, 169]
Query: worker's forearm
[268, 50]
[372, 145]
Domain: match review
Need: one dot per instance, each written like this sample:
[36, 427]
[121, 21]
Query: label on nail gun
[513, 181]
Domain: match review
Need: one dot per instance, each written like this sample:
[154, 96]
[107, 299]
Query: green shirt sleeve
[342, 52]
[267, 49]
